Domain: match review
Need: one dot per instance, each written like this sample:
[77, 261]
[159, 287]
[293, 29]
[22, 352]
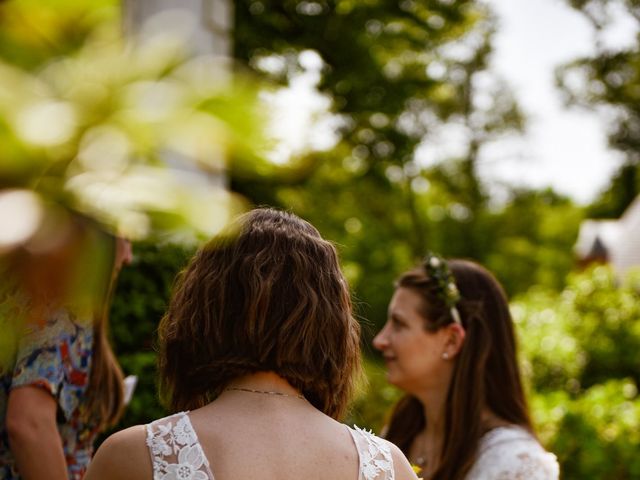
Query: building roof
[617, 241]
[626, 251]
[596, 235]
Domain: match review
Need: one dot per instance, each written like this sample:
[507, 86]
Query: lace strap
[375, 455]
[175, 450]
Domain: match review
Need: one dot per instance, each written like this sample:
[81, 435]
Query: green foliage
[529, 242]
[595, 434]
[141, 299]
[374, 399]
[32, 32]
[580, 351]
[111, 127]
[623, 188]
[583, 336]
[608, 80]
[397, 74]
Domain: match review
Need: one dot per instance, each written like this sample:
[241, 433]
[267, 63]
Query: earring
[445, 355]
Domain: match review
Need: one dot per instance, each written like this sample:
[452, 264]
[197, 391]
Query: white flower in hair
[446, 288]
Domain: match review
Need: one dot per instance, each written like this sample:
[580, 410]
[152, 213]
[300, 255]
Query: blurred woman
[61, 385]
[449, 343]
[258, 351]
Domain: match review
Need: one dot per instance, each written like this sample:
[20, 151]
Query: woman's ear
[454, 340]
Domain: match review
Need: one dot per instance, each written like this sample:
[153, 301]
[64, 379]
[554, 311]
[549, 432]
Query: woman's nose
[380, 340]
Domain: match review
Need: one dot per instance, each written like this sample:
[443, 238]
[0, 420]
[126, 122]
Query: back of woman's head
[269, 297]
[486, 373]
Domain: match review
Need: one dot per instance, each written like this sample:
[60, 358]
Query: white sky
[564, 148]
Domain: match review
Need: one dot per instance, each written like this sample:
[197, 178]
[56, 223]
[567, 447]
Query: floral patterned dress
[176, 453]
[56, 357]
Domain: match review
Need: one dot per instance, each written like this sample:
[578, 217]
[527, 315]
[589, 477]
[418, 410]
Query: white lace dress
[512, 453]
[176, 453]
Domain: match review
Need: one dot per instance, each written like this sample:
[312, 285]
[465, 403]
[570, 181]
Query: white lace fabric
[512, 453]
[176, 453]
[375, 455]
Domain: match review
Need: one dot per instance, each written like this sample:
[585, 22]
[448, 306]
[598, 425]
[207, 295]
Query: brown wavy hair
[270, 297]
[486, 372]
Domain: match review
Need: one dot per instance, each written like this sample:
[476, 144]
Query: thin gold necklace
[266, 392]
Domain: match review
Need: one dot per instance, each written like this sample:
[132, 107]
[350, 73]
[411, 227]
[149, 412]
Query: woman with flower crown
[258, 352]
[449, 343]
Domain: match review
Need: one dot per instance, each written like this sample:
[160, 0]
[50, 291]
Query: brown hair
[269, 298]
[105, 392]
[486, 372]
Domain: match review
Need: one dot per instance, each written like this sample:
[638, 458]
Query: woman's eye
[397, 324]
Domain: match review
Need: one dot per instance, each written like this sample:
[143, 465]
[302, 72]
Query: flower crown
[438, 270]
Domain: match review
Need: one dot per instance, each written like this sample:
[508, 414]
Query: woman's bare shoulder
[401, 466]
[123, 455]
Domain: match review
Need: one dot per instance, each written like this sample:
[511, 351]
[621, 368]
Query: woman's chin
[401, 382]
[393, 379]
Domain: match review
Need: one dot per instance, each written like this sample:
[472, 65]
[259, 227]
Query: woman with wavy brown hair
[449, 343]
[258, 352]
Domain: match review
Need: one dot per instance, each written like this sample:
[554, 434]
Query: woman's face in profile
[412, 354]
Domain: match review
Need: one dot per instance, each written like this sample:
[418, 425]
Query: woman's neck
[426, 446]
[434, 407]
[264, 381]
